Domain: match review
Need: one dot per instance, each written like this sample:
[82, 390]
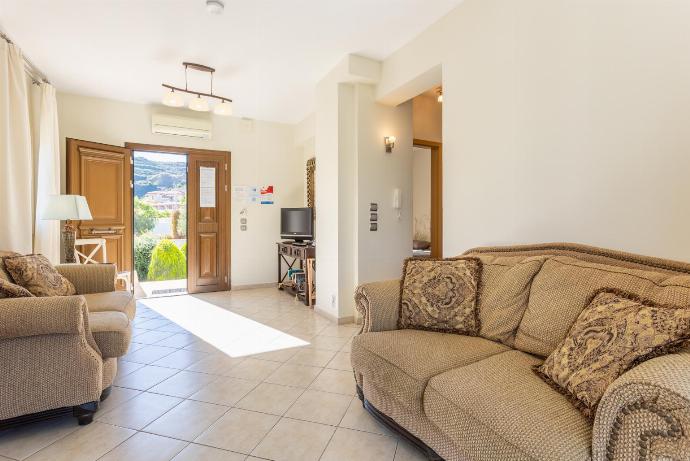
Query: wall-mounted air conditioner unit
[181, 126]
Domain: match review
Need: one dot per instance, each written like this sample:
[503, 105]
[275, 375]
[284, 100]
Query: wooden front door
[208, 221]
[103, 175]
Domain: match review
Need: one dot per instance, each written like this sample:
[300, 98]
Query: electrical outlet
[333, 301]
[243, 221]
[243, 227]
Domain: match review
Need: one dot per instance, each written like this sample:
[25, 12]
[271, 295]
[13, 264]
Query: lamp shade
[173, 99]
[198, 104]
[63, 207]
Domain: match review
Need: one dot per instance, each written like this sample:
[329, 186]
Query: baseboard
[333, 318]
[253, 286]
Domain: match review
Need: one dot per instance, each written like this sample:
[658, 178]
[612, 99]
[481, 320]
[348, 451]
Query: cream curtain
[16, 176]
[47, 233]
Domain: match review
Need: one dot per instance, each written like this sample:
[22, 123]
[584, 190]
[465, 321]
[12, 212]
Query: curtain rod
[37, 77]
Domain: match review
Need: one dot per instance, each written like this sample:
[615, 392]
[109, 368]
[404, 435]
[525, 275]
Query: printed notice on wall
[207, 187]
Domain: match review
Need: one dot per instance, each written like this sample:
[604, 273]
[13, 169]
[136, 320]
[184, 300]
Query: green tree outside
[144, 217]
[167, 262]
[143, 247]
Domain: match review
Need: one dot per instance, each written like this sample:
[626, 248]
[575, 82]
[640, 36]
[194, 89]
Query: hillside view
[151, 175]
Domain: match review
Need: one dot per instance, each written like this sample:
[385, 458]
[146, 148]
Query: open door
[103, 175]
[208, 232]
[436, 227]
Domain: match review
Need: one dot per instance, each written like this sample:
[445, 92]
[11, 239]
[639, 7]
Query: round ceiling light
[224, 108]
[198, 104]
[173, 99]
[214, 6]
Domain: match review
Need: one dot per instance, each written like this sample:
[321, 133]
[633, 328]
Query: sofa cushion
[440, 295]
[503, 294]
[120, 301]
[564, 286]
[112, 332]
[4, 275]
[37, 274]
[509, 406]
[611, 335]
[401, 362]
[12, 290]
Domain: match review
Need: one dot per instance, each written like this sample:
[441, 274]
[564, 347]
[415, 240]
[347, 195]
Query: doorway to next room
[160, 222]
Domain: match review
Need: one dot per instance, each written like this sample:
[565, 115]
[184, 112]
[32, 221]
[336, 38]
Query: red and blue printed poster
[266, 195]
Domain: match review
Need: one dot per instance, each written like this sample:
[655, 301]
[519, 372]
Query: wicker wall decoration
[311, 189]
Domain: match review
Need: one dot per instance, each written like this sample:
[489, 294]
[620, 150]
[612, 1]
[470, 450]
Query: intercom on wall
[397, 200]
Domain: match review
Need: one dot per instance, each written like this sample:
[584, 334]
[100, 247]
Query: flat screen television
[296, 224]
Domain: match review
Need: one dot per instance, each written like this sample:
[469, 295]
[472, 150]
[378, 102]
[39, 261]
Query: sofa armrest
[645, 414]
[89, 278]
[378, 303]
[22, 317]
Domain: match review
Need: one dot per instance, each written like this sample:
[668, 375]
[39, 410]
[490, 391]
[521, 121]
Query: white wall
[562, 121]
[421, 193]
[261, 153]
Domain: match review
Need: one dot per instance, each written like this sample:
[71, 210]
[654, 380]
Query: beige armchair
[60, 353]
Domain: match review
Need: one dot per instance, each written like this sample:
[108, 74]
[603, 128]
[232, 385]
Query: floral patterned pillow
[615, 332]
[11, 290]
[36, 274]
[440, 295]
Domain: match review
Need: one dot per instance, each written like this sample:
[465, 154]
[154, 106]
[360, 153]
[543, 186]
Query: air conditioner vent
[181, 126]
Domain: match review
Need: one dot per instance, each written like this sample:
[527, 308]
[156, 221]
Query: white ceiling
[268, 54]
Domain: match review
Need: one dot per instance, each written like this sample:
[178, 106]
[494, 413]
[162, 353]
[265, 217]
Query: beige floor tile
[338, 381]
[407, 452]
[358, 418]
[362, 446]
[341, 331]
[151, 336]
[146, 447]
[253, 369]
[294, 375]
[238, 430]
[328, 343]
[124, 367]
[118, 396]
[203, 346]
[216, 364]
[320, 407]
[224, 390]
[187, 420]
[292, 440]
[312, 357]
[133, 346]
[341, 361]
[280, 355]
[145, 377]
[183, 384]
[270, 398]
[172, 328]
[181, 359]
[152, 324]
[139, 411]
[148, 354]
[178, 340]
[88, 443]
[24, 441]
[194, 452]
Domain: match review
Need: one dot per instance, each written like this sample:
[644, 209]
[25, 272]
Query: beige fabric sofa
[476, 398]
[62, 351]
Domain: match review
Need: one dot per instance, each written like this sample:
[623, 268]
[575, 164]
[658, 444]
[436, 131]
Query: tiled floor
[224, 376]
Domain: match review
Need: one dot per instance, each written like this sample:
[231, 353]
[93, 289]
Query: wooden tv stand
[291, 253]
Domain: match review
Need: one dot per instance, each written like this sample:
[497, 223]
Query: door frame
[436, 225]
[142, 147]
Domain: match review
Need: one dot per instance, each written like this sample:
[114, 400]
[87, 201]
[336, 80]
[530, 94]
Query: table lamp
[66, 208]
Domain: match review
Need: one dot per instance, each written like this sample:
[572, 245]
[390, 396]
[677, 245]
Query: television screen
[296, 223]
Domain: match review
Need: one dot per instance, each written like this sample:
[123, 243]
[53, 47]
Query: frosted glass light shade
[199, 104]
[173, 99]
[224, 108]
[63, 207]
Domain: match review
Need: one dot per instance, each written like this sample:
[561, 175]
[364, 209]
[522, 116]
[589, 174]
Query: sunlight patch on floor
[227, 331]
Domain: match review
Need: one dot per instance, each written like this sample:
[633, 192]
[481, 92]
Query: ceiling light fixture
[439, 92]
[173, 98]
[214, 6]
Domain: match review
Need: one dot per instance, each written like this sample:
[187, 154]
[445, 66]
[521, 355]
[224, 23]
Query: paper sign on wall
[267, 195]
[207, 187]
[246, 195]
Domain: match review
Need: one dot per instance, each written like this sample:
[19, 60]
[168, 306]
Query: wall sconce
[439, 92]
[389, 142]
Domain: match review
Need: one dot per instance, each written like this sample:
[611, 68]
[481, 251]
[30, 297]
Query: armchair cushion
[112, 332]
[440, 295]
[37, 274]
[614, 333]
[117, 301]
[12, 290]
[89, 278]
[22, 317]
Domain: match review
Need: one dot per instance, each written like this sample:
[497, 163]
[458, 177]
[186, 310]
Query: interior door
[103, 174]
[208, 216]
